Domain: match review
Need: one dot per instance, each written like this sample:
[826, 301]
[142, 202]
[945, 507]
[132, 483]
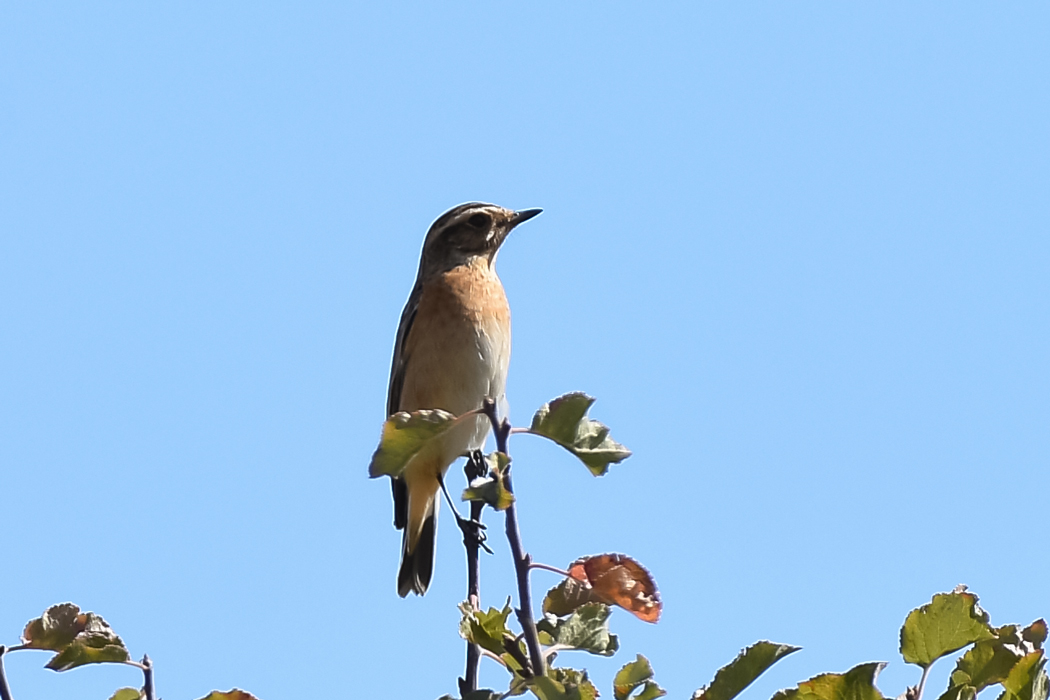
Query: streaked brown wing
[400, 360]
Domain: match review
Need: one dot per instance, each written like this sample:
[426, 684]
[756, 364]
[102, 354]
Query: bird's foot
[473, 532]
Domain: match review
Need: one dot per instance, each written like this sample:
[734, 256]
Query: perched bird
[451, 352]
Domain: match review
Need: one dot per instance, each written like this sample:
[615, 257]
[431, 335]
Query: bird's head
[469, 231]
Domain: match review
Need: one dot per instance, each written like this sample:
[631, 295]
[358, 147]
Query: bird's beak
[522, 216]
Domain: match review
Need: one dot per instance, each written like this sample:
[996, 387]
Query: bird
[451, 352]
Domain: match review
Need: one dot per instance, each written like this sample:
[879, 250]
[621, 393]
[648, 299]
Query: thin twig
[5, 691]
[521, 559]
[489, 655]
[469, 681]
[555, 648]
[548, 567]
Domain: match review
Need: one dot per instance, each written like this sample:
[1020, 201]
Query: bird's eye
[479, 220]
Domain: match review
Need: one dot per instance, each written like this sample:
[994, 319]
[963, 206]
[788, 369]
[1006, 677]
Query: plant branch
[502, 430]
[5, 691]
[474, 468]
[147, 675]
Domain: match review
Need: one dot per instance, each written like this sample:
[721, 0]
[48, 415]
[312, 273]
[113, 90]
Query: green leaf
[1027, 679]
[127, 694]
[486, 629]
[404, 435]
[636, 674]
[856, 684]
[991, 661]
[234, 694]
[567, 597]
[586, 629]
[960, 692]
[546, 688]
[563, 684]
[492, 489]
[947, 624]
[738, 674]
[650, 691]
[987, 663]
[564, 420]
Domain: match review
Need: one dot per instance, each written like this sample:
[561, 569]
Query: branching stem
[502, 430]
[147, 673]
[146, 666]
[469, 682]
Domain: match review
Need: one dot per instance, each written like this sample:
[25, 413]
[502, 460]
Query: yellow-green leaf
[404, 435]
[486, 629]
[738, 674]
[1027, 679]
[234, 694]
[633, 675]
[98, 647]
[856, 684]
[127, 694]
[563, 684]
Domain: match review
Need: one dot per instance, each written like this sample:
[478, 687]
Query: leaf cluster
[1008, 656]
[576, 612]
[83, 638]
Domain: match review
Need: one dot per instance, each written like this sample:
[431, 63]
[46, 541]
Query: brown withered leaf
[79, 638]
[56, 628]
[616, 579]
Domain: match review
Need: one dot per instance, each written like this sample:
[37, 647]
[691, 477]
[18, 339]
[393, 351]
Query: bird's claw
[475, 467]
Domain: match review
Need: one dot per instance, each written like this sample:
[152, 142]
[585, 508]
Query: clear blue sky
[799, 251]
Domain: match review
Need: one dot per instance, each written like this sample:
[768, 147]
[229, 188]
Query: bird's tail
[417, 557]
